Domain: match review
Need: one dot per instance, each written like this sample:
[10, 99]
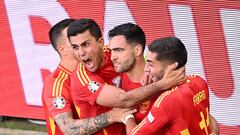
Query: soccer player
[127, 42]
[183, 109]
[91, 83]
[56, 97]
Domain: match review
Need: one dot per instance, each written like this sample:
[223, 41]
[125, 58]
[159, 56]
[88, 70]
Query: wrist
[162, 85]
[111, 118]
[129, 116]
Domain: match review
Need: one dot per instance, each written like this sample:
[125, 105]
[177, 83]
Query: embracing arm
[70, 126]
[115, 97]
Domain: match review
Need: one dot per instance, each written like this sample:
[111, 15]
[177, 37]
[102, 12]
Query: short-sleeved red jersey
[56, 98]
[184, 110]
[87, 85]
[143, 108]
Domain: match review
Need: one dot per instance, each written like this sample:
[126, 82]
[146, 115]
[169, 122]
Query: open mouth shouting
[88, 63]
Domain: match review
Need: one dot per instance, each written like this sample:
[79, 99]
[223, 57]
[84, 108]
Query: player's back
[195, 105]
[56, 98]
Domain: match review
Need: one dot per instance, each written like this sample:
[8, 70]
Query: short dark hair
[132, 32]
[171, 49]
[56, 31]
[81, 25]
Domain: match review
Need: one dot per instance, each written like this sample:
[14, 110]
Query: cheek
[75, 52]
[151, 70]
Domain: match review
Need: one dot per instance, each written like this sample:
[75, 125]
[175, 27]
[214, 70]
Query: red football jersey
[184, 110]
[56, 98]
[86, 86]
[143, 108]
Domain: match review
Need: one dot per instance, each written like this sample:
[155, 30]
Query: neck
[137, 72]
[69, 64]
[103, 60]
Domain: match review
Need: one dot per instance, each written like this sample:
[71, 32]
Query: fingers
[122, 113]
[181, 77]
[173, 66]
[143, 81]
[173, 77]
[170, 70]
[132, 111]
[128, 111]
[146, 79]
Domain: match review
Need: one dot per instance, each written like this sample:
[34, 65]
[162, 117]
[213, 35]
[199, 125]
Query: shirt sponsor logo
[59, 102]
[93, 86]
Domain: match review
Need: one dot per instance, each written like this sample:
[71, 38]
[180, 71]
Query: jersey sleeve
[56, 97]
[162, 113]
[151, 124]
[85, 87]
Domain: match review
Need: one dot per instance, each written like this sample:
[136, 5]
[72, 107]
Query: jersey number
[203, 124]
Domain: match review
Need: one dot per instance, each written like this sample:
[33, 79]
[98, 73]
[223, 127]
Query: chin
[118, 70]
[91, 69]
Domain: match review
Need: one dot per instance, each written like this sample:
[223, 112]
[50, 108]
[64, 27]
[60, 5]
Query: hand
[173, 77]
[146, 79]
[119, 114]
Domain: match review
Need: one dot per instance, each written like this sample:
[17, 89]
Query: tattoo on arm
[70, 126]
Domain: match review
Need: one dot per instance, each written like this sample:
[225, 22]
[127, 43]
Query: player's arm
[130, 124]
[70, 126]
[214, 125]
[164, 111]
[115, 97]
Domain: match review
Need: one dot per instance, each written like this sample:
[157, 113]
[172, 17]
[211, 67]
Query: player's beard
[158, 76]
[127, 65]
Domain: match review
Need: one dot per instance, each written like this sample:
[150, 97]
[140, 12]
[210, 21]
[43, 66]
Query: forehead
[151, 56]
[81, 37]
[118, 41]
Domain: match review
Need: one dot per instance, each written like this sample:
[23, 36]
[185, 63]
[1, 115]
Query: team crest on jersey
[59, 102]
[93, 86]
[144, 106]
[117, 81]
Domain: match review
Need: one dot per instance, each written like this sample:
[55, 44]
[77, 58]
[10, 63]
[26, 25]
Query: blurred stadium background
[210, 30]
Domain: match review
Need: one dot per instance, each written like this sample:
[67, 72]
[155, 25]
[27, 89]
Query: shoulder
[196, 82]
[195, 79]
[80, 73]
[165, 98]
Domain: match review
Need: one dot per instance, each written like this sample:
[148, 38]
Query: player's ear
[101, 41]
[138, 50]
[62, 50]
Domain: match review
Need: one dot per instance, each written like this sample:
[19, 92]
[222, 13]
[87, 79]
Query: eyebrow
[84, 42]
[117, 48]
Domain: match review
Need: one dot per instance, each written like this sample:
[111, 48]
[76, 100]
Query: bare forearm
[115, 97]
[70, 126]
[136, 96]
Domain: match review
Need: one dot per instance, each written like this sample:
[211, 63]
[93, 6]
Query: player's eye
[75, 47]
